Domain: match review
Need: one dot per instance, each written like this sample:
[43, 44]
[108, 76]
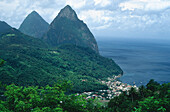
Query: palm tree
[132, 93]
[141, 90]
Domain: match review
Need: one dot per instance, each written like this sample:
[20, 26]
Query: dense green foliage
[66, 28]
[45, 99]
[34, 25]
[54, 99]
[30, 62]
[152, 98]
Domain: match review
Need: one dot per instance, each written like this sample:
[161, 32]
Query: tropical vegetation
[152, 98]
[29, 61]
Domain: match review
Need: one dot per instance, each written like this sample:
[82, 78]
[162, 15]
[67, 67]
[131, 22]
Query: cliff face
[66, 28]
[34, 25]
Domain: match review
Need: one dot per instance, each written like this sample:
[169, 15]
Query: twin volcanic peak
[34, 25]
[66, 28]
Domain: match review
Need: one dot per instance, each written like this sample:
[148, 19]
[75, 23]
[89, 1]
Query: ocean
[140, 59]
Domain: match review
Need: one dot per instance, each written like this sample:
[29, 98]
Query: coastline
[115, 88]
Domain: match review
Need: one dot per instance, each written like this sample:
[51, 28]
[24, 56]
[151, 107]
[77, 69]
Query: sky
[105, 18]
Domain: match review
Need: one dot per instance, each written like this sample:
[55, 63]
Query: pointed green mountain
[4, 27]
[66, 28]
[34, 25]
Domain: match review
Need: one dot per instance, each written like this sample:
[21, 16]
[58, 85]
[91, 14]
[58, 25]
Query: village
[115, 88]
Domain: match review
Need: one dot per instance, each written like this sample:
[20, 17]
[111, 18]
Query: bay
[140, 59]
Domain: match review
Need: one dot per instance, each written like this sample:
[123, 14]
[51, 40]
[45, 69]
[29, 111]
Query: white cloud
[159, 5]
[146, 5]
[101, 27]
[99, 18]
[102, 3]
[6, 7]
[131, 6]
[76, 3]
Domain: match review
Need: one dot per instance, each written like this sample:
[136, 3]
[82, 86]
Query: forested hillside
[29, 61]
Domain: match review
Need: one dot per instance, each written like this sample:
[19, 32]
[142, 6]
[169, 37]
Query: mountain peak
[68, 6]
[34, 13]
[66, 28]
[34, 25]
[68, 12]
[4, 26]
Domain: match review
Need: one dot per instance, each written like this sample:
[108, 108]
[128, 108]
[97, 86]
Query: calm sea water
[140, 59]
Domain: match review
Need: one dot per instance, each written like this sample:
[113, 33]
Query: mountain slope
[34, 25]
[13, 37]
[4, 26]
[66, 28]
[28, 62]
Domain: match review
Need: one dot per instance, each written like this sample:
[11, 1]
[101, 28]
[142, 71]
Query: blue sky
[109, 18]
